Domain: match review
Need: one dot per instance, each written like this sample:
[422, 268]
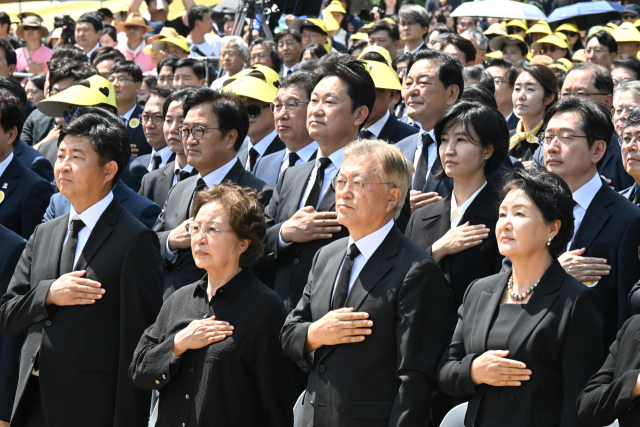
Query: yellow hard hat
[180, 41]
[494, 55]
[540, 27]
[255, 85]
[553, 39]
[377, 49]
[626, 33]
[518, 23]
[570, 26]
[513, 39]
[359, 36]
[330, 23]
[384, 77]
[335, 6]
[567, 63]
[297, 24]
[99, 91]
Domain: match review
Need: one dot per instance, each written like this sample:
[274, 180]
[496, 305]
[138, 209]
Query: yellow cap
[359, 36]
[500, 41]
[330, 23]
[100, 91]
[570, 26]
[377, 49]
[554, 39]
[637, 23]
[389, 20]
[496, 29]
[254, 85]
[579, 56]
[335, 6]
[611, 25]
[540, 27]
[265, 71]
[518, 23]
[180, 41]
[494, 55]
[559, 66]
[567, 63]
[297, 24]
[626, 33]
[366, 26]
[164, 33]
[384, 77]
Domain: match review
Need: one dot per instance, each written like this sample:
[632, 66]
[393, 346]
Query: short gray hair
[414, 14]
[632, 86]
[236, 41]
[393, 166]
[472, 33]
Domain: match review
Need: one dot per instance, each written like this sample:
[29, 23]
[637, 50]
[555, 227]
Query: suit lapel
[298, 186]
[432, 183]
[11, 177]
[165, 182]
[436, 221]
[328, 201]
[185, 199]
[482, 209]
[100, 232]
[594, 219]
[234, 173]
[487, 304]
[276, 145]
[55, 245]
[387, 130]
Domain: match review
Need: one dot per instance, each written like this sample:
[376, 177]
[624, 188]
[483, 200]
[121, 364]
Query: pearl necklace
[522, 296]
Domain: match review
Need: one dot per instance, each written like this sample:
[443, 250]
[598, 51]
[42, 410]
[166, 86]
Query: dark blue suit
[136, 134]
[395, 131]
[133, 173]
[10, 251]
[33, 160]
[139, 206]
[512, 123]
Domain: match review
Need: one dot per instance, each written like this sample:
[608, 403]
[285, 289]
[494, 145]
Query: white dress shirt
[457, 212]
[304, 153]
[90, 218]
[261, 146]
[330, 172]
[5, 163]
[164, 153]
[176, 168]
[376, 128]
[367, 246]
[285, 69]
[414, 50]
[432, 152]
[127, 116]
[92, 50]
[583, 197]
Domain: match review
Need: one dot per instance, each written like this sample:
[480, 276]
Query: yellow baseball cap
[267, 72]
[297, 24]
[335, 6]
[359, 36]
[99, 91]
[494, 55]
[611, 25]
[570, 26]
[384, 77]
[554, 39]
[567, 63]
[500, 41]
[255, 85]
[626, 33]
[180, 41]
[518, 23]
[164, 33]
[330, 23]
[540, 27]
[496, 29]
[377, 49]
[559, 66]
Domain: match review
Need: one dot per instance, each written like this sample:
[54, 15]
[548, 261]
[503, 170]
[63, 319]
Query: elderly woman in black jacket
[527, 340]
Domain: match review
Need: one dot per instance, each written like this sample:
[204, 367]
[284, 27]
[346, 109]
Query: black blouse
[243, 380]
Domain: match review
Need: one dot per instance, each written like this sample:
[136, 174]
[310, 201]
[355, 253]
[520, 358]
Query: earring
[549, 241]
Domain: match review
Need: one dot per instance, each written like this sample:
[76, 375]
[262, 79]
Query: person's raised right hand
[179, 238]
[584, 269]
[339, 326]
[493, 369]
[72, 289]
[419, 200]
[307, 224]
[200, 333]
[134, 150]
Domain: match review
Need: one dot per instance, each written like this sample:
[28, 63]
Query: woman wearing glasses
[535, 90]
[214, 353]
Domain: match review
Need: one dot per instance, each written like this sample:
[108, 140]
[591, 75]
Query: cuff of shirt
[169, 254]
[281, 243]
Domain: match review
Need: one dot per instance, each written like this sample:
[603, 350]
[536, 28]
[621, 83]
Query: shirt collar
[176, 167]
[231, 289]
[262, 145]
[5, 163]
[92, 214]
[422, 132]
[305, 152]
[462, 209]
[336, 158]
[585, 194]
[370, 243]
[414, 50]
[127, 115]
[137, 50]
[216, 177]
[93, 50]
[376, 128]
[285, 68]
[164, 153]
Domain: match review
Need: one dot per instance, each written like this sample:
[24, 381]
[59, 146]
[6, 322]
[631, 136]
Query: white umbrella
[499, 9]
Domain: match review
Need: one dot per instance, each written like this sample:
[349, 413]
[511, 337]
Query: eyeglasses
[289, 106]
[339, 184]
[254, 110]
[197, 132]
[229, 55]
[498, 81]
[552, 48]
[165, 80]
[258, 57]
[565, 138]
[30, 28]
[156, 119]
[628, 139]
[597, 51]
[309, 34]
[629, 16]
[52, 66]
[288, 43]
[204, 230]
[621, 109]
[619, 82]
[120, 79]
[580, 94]
[131, 27]
[68, 115]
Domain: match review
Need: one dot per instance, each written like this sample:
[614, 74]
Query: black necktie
[314, 194]
[253, 157]
[636, 198]
[366, 134]
[156, 162]
[200, 186]
[182, 174]
[69, 248]
[342, 285]
[420, 177]
[293, 158]
[289, 71]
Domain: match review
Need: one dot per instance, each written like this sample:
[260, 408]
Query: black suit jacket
[26, 197]
[394, 130]
[156, 184]
[430, 223]
[607, 396]
[276, 145]
[33, 160]
[84, 351]
[183, 271]
[512, 123]
[36, 127]
[10, 251]
[558, 336]
[136, 134]
[133, 173]
[286, 270]
[387, 379]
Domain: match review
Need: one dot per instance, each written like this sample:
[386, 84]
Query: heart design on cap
[276, 84]
[104, 91]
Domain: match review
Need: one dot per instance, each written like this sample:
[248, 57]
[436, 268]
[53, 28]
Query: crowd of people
[372, 218]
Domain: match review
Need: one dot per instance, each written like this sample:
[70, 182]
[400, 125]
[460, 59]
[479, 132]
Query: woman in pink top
[32, 58]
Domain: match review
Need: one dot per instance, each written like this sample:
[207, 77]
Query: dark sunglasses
[131, 27]
[624, 16]
[68, 115]
[55, 65]
[513, 30]
[571, 34]
[30, 28]
[255, 110]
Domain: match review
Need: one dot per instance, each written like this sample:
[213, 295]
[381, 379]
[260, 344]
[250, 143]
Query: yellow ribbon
[521, 135]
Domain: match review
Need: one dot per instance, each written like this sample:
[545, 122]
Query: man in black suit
[504, 78]
[603, 252]
[156, 185]
[215, 125]
[381, 124]
[290, 114]
[372, 293]
[10, 251]
[413, 22]
[86, 287]
[630, 150]
[126, 78]
[24, 196]
[152, 122]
